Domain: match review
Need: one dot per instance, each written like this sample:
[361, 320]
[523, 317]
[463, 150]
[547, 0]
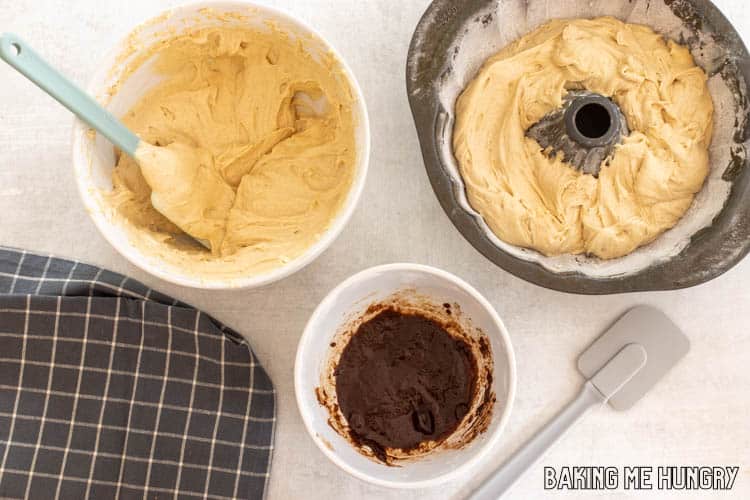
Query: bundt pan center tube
[585, 130]
[452, 41]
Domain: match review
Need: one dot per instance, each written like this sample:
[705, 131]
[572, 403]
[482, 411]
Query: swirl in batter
[531, 200]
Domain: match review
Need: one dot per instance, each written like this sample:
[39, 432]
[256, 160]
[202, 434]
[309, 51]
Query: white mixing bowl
[93, 158]
[351, 298]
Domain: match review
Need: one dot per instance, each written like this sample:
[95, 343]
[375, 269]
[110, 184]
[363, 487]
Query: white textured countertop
[698, 415]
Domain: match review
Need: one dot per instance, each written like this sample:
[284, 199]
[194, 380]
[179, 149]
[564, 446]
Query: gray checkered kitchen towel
[111, 390]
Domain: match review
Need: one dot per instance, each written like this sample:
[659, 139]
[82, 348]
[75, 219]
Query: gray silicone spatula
[620, 367]
[26, 61]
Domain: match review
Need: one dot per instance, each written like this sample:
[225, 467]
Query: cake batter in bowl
[271, 108]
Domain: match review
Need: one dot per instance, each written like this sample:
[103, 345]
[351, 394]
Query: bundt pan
[453, 39]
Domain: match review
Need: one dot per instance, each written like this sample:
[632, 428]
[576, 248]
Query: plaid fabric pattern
[111, 390]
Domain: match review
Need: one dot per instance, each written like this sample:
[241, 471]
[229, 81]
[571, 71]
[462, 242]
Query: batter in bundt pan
[534, 198]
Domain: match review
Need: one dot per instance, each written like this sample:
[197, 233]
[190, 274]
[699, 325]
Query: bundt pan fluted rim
[710, 252]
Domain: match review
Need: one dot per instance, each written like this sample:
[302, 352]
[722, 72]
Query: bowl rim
[132, 254]
[504, 337]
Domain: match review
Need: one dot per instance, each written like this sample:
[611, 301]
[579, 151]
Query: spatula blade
[664, 342]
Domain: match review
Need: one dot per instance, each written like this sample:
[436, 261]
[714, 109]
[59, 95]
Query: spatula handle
[23, 58]
[512, 470]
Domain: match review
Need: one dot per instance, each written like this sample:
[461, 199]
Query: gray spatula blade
[664, 342]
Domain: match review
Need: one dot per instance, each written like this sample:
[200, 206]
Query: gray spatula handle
[498, 484]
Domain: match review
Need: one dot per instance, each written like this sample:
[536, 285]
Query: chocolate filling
[403, 379]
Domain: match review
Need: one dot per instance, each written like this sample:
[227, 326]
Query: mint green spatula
[183, 188]
[23, 58]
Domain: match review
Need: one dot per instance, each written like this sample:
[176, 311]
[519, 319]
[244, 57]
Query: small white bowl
[352, 297]
[93, 158]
